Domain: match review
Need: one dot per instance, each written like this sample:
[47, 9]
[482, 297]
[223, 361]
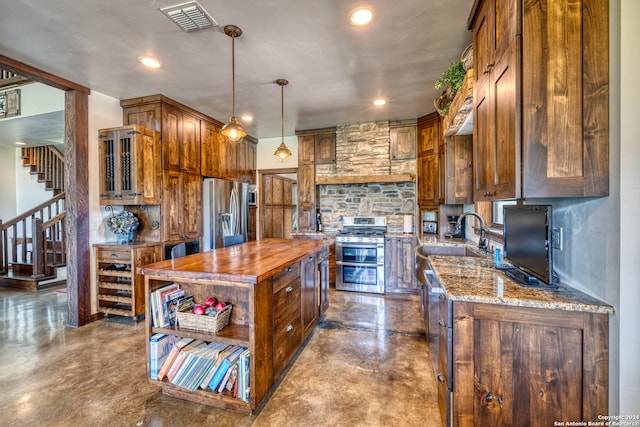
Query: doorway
[277, 203]
[76, 187]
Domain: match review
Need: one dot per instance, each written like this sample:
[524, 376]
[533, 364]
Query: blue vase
[122, 238]
[132, 236]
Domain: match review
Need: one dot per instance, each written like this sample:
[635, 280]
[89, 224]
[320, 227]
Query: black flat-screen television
[527, 243]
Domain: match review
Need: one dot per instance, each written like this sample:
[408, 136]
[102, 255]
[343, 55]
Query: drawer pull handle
[442, 323]
[289, 289]
[289, 329]
[442, 297]
[489, 397]
[440, 378]
[113, 255]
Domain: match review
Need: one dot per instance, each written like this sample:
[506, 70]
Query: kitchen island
[272, 286]
[506, 354]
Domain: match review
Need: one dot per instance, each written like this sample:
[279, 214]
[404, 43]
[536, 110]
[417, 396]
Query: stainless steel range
[360, 254]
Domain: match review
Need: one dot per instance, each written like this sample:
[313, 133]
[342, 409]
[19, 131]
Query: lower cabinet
[399, 264]
[287, 322]
[309, 294]
[120, 286]
[520, 366]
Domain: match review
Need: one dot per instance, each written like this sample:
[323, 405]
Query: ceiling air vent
[189, 16]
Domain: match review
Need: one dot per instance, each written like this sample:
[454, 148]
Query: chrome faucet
[483, 244]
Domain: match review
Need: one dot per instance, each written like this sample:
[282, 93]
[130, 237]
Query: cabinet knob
[310, 258]
[488, 68]
[489, 397]
[442, 297]
[288, 269]
[442, 323]
[289, 289]
[440, 378]
[289, 329]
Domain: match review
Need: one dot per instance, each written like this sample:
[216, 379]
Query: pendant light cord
[233, 76]
[282, 110]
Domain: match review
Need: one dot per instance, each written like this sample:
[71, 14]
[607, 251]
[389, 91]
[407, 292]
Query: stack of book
[164, 303]
[195, 364]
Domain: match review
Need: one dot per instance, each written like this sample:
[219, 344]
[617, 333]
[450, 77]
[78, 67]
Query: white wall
[37, 98]
[8, 180]
[629, 307]
[29, 192]
[268, 146]
[104, 112]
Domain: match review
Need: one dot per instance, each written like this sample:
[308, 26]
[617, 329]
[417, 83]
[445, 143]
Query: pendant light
[283, 153]
[233, 130]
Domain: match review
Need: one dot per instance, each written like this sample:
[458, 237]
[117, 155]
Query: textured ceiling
[335, 70]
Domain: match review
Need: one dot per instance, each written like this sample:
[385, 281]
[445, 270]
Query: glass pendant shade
[233, 130]
[282, 152]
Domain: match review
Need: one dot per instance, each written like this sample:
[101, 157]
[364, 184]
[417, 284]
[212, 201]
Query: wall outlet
[556, 238]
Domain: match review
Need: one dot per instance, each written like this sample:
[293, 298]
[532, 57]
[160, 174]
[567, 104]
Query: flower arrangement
[123, 222]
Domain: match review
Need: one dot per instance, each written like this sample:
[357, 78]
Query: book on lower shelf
[159, 347]
[194, 364]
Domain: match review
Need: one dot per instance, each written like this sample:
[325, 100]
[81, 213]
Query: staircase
[48, 164]
[33, 245]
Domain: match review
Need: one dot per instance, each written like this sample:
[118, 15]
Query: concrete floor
[365, 364]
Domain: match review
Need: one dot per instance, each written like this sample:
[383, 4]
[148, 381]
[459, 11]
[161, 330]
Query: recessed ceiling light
[150, 62]
[361, 16]
[21, 143]
[247, 118]
[379, 102]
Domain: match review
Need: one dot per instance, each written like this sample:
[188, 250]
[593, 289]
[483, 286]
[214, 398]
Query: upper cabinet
[129, 166]
[402, 145]
[180, 140]
[541, 118]
[325, 148]
[429, 136]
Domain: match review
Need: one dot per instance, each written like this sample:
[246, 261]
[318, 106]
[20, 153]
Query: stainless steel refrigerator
[224, 213]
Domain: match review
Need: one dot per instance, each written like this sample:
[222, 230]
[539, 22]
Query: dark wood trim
[40, 76]
[77, 202]
[277, 171]
[315, 131]
[76, 179]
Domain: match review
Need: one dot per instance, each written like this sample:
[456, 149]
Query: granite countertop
[474, 279]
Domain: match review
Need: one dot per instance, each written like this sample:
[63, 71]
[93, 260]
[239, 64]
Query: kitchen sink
[423, 251]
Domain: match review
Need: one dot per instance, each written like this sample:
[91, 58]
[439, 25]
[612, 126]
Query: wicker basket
[203, 322]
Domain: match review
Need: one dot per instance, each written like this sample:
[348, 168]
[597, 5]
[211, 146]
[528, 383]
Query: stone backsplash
[364, 150]
[393, 200]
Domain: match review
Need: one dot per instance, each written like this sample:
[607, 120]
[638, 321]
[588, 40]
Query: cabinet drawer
[113, 255]
[286, 340]
[282, 278]
[286, 302]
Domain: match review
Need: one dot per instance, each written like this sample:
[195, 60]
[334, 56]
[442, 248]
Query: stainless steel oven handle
[359, 264]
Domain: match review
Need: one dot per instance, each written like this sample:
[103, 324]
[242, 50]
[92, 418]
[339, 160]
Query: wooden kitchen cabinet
[517, 366]
[180, 140]
[120, 286]
[399, 264]
[306, 183]
[181, 207]
[455, 170]
[402, 140]
[287, 321]
[309, 294]
[541, 118]
[325, 147]
[129, 166]
[211, 149]
[429, 136]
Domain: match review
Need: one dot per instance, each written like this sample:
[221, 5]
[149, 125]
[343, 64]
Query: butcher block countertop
[249, 263]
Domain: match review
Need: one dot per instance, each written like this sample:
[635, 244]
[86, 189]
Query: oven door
[360, 253]
[360, 267]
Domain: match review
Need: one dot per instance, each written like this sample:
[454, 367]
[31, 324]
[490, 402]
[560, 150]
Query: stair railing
[47, 162]
[48, 244]
[14, 238]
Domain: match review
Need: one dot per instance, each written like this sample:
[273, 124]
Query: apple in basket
[210, 302]
[198, 309]
[220, 306]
